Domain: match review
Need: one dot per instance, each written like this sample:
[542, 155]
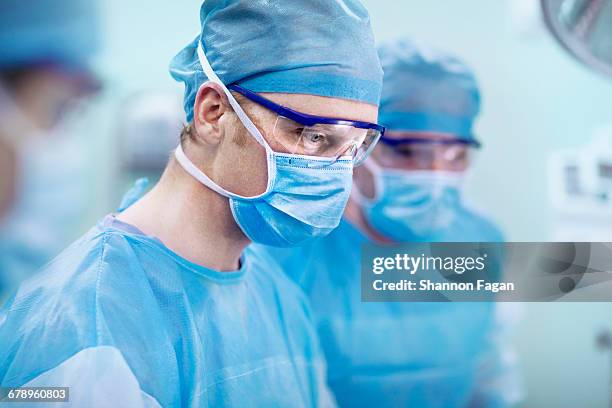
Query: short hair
[186, 133]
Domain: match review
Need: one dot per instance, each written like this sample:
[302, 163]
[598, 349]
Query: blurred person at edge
[45, 49]
[411, 354]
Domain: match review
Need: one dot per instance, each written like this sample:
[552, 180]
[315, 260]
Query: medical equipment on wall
[581, 190]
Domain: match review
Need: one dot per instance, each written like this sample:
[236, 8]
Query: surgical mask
[411, 205]
[304, 197]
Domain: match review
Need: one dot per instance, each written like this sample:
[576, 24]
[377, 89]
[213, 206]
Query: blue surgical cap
[62, 32]
[427, 90]
[317, 47]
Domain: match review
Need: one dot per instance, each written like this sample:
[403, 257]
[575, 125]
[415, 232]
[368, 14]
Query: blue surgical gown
[125, 322]
[393, 354]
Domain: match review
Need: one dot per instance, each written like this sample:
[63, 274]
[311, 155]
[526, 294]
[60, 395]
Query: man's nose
[438, 163]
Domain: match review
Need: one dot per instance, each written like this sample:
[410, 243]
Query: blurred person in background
[389, 354]
[45, 49]
[163, 304]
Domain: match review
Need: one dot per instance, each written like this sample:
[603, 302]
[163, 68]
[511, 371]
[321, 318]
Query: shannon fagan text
[427, 285]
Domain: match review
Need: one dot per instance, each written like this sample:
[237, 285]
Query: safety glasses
[304, 134]
[428, 154]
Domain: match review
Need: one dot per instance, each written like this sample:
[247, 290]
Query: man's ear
[210, 105]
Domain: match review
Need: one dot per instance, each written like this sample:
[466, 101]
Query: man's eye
[315, 138]
[407, 152]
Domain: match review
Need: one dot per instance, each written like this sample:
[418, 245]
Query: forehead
[399, 135]
[326, 106]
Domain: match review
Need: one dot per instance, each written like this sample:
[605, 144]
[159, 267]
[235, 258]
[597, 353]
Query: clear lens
[428, 156]
[367, 146]
[331, 141]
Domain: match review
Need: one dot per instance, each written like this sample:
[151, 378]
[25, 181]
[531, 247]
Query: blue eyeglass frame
[415, 140]
[303, 118]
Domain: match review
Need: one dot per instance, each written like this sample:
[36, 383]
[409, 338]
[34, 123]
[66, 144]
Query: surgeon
[410, 190]
[46, 48]
[161, 304]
